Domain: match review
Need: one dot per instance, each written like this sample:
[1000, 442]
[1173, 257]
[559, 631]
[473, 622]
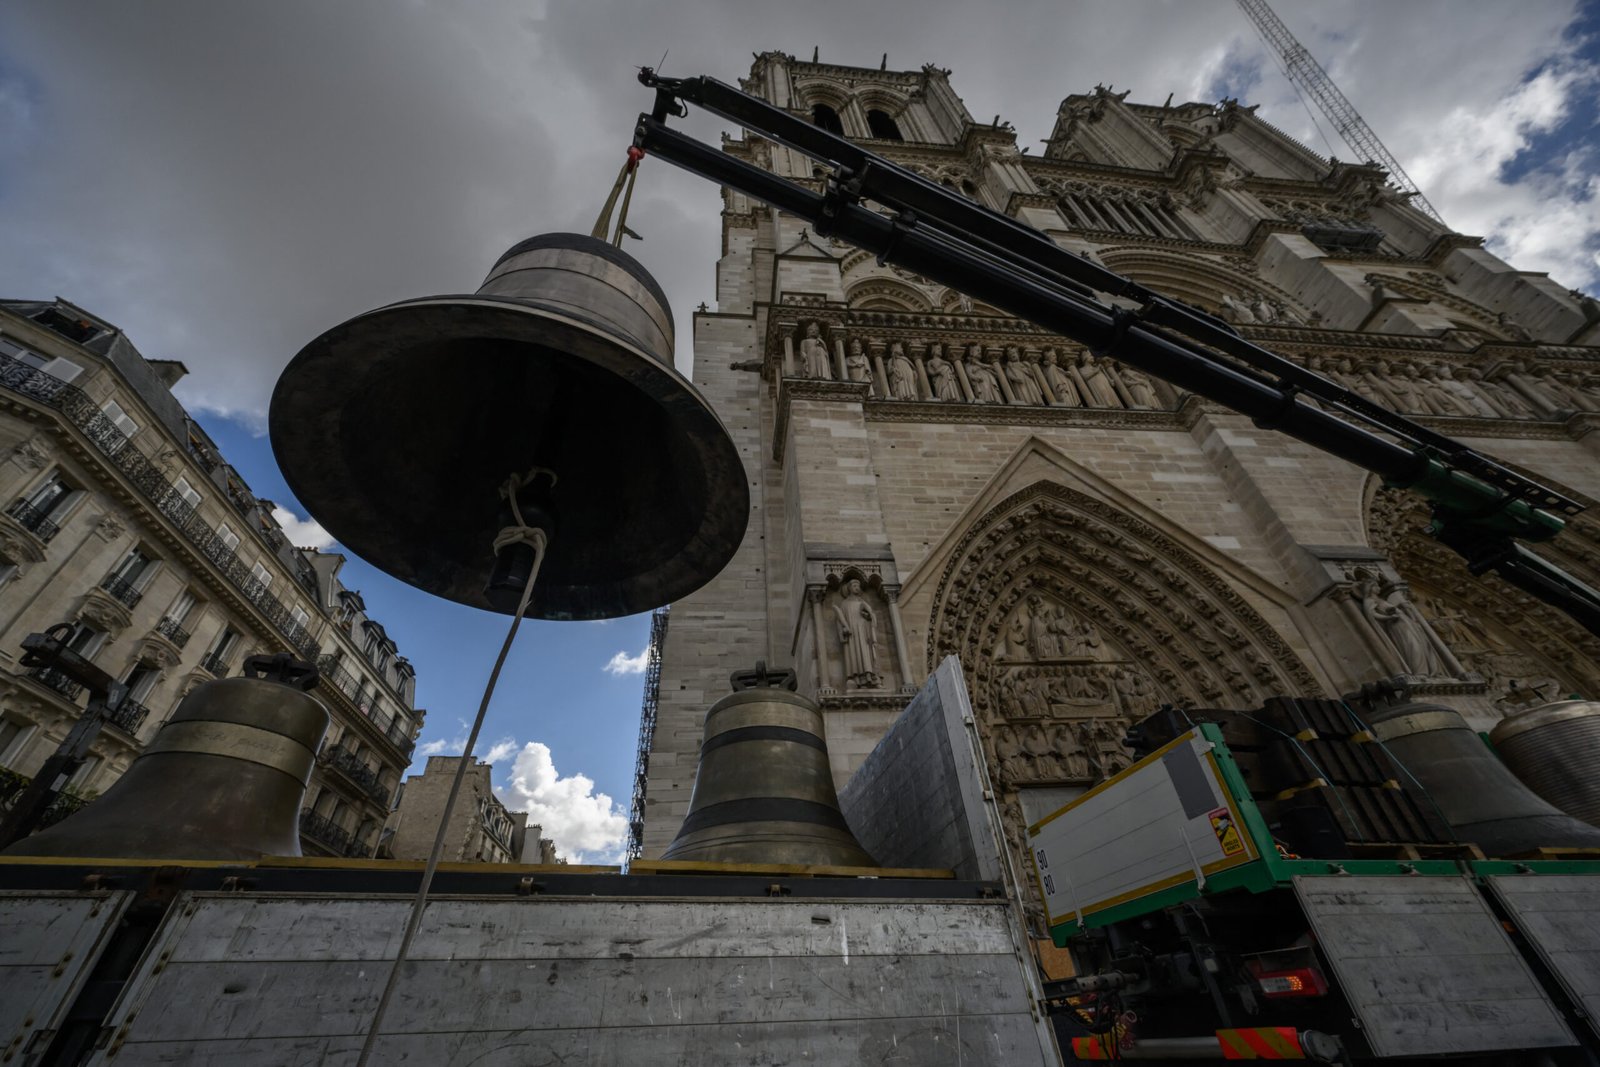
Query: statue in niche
[1140, 390]
[1041, 641]
[1024, 387]
[1101, 393]
[902, 375]
[856, 366]
[858, 637]
[942, 375]
[985, 385]
[1060, 382]
[814, 361]
[1577, 389]
[1388, 609]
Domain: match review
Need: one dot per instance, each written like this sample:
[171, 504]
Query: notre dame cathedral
[930, 477]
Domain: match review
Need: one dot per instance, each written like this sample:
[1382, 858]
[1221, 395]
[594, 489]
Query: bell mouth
[397, 428]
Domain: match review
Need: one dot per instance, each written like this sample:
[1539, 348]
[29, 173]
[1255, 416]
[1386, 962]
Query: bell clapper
[519, 550]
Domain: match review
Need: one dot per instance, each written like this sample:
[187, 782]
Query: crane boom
[1307, 74]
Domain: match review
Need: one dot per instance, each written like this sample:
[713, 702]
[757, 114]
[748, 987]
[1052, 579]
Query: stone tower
[931, 477]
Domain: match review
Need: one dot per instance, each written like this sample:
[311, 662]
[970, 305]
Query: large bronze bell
[1475, 793]
[221, 780]
[764, 791]
[397, 429]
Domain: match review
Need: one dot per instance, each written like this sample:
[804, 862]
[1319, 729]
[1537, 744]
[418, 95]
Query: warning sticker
[1227, 833]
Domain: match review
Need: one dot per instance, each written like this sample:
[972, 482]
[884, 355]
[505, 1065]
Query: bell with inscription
[398, 429]
[764, 791]
[222, 780]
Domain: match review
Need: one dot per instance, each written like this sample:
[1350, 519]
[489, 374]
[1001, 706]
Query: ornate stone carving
[1390, 611]
[1060, 383]
[31, 454]
[1099, 389]
[104, 613]
[857, 368]
[109, 528]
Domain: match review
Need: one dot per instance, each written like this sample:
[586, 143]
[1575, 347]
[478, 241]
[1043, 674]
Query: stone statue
[814, 361]
[1391, 612]
[1008, 754]
[1512, 328]
[902, 375]
[985, 385]
[1134, 693]
[1024, 387]
[942, 375]
[1040, 752]
[1502, 398]
[1140, 390]
[1403, 390]
[1465, 398]
[856, 367]
[1237, 311]
[858, 637]
[1042, 642]
[1262, 309]
[1060, 382]
[1102, 394]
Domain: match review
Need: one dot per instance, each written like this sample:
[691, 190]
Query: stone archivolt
[1064, 608]
[1526, 651]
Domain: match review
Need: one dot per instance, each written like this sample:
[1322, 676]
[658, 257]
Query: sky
[226, 181]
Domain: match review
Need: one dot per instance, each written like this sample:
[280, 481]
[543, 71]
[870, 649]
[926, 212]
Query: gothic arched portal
[1527, 651]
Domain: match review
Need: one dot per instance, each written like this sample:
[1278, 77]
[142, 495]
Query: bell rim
[715, 541]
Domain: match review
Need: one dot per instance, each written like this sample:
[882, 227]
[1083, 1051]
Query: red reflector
[1300, 982]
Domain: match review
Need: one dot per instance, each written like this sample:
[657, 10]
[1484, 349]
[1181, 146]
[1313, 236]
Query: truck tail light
[1296, 982]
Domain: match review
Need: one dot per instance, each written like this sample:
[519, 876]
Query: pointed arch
[1193, 279]
[1167, 612]
[1527, 651]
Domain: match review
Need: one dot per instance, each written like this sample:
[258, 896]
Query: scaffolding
[647, 731]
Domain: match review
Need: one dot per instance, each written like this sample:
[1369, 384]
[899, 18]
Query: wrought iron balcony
[352, 767]
[324, 831]
[57, 681]
[122, 590]
[84, 413]
[129, 716]
[169, 628]
[217, 664]
[33, 520]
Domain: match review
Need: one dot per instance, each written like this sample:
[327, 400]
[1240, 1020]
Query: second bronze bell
[764, 790]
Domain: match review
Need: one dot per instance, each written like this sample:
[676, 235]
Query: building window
[124, 423]
[63, 369]
[216, 661]
[74, 329]
[301, 618]
[14, 736]
[82, 775]
[261, 575]
[882, 126]
[183, 498]
[140, 680]
[825, 118]
[229, 539]
[43, 511]
[136, 568]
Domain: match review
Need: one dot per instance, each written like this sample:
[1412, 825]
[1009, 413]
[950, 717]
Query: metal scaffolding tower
[647, 730]
[1307, 75]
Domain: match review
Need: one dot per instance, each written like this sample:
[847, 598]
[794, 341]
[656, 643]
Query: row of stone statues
[1040, 752]
[977, 376]
[1511, 391]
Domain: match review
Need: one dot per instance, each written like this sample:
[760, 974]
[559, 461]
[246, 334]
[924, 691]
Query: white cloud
[586, 826]
[622, 663]
[302, 533]
[440, 746]
[500, 750]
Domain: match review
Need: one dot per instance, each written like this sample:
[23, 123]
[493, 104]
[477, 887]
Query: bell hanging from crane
[398, 428]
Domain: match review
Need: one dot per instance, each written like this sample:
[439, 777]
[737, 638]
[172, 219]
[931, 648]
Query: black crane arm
[1479, 506]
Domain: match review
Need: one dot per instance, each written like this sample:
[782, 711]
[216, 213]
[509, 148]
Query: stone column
[1037, 370]
[790, 368]
[839, 374]
[880, 375]
[997, 363]
[922, 373]
[891, 593]
[819, 636]
[960, 361]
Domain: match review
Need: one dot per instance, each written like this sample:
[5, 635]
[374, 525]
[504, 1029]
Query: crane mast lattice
[1307, 74]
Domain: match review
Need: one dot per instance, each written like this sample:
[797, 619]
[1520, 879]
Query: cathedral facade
[931, 477]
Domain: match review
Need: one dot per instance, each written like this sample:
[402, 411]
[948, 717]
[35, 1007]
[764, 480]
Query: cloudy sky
[226, 181]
